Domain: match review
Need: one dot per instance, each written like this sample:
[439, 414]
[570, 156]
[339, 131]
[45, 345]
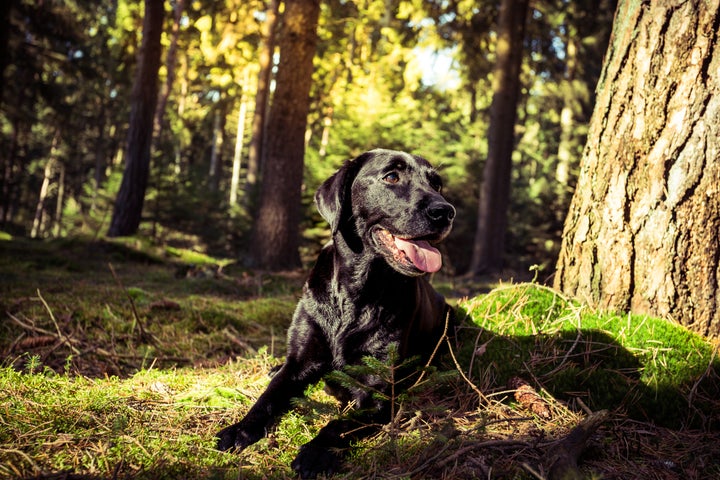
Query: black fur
[360, 298]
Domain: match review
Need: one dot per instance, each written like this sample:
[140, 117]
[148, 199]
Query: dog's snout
[438, 211]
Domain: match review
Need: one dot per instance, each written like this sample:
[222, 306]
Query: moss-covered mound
[648, 368]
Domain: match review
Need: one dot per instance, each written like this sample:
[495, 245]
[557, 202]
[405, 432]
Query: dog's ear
[333, 197]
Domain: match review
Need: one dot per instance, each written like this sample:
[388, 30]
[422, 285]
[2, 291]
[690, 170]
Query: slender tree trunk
[276, 233]
[38, 226]
[237, 157]
[101, 152]
[325, 138]
[60, 202]
[36, 230]
[489, 243]
[255, 153]
[643, 231]
[184, 88]
[129, 202]
[217, 143]
[170, 67]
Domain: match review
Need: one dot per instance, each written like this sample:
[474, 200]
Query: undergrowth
[123, 359]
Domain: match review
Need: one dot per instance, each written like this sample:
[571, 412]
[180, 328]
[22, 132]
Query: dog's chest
[361, 332]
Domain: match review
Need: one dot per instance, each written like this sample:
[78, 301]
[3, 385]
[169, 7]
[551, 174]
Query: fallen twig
[30, 327]
[462, 374]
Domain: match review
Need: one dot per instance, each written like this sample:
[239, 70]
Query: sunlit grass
[82, 391]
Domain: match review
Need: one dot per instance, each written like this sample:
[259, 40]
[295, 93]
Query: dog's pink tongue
[424, 256]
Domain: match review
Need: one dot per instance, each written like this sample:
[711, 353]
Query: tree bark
[276, 232]
[131, 196]
[643, 231]
[489, 242]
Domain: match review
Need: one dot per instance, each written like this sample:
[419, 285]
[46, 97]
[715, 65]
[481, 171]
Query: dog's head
[389, 202]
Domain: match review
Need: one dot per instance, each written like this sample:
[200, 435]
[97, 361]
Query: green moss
[644, 366]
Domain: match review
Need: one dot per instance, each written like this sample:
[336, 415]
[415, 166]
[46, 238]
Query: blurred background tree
[127, 213]
[404, 74]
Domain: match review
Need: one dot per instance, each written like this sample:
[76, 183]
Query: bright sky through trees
[438, 67]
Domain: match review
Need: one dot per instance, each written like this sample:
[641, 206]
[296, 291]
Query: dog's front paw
[313, 460]
[236, 438]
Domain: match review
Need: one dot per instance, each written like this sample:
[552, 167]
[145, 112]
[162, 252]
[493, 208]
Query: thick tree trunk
[131, 196]
[489, 243]
[643, 232]
[276, 233]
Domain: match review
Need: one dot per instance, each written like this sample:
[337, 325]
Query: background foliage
[400, 74]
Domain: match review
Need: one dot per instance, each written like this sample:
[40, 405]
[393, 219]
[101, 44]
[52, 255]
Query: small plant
[406, 381]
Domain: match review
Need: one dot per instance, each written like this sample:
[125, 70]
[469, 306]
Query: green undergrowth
[645, 367]
[122, 359]
[154, 424]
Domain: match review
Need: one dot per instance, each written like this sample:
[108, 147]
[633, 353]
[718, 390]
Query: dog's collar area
[413, 254]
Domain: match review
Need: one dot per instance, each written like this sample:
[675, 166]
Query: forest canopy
[408, 75]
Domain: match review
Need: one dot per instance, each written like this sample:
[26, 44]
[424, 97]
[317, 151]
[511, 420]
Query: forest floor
[122, 359]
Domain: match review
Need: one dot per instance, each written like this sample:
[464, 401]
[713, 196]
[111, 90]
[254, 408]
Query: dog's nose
[441, 211]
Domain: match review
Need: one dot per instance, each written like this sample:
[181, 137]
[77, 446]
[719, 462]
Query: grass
[641, 366]
[122, 359]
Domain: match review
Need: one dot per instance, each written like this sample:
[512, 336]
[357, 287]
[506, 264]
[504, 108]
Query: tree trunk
[38, 226]
[643, 231]
[325, 137]
[495, 187]
[59, 202]
[217, 144]
[131, 196]
[255, 153]
[237, 157]
[170, 67]
[101, 153]
[276, 235]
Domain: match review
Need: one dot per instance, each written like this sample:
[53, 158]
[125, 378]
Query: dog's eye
[392, 177]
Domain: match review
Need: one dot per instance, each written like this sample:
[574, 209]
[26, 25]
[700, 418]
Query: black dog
[366, 292]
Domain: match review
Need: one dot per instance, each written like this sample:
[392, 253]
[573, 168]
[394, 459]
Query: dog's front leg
[275, 401]
[306, 363]
[324, 453]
